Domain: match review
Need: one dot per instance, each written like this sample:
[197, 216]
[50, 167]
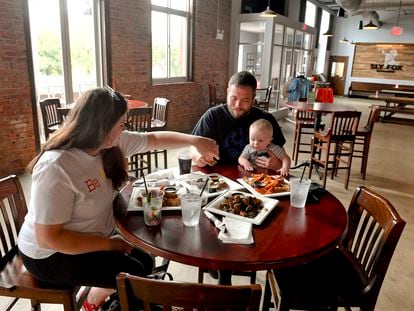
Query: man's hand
[270, 162]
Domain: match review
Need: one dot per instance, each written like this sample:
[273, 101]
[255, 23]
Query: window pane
[181, 5]
[307, 41]
[278, 36]
[82, 46]
[47, 48]
[178, 46]
[298, 39]
[310, 14]
[289, 36]
[320, 66]
[159, 45]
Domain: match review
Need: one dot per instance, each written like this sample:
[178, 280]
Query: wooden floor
[390, 172]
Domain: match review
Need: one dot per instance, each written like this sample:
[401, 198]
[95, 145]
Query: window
[171, 44]
[310, 14]
[323, 41]
[66, 44]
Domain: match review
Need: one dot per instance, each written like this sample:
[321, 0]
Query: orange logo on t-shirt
[92, 184]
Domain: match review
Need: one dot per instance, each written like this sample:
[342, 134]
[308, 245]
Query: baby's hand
[248, 167]
[284, 172]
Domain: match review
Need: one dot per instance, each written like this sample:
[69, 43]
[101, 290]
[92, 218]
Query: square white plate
[188, 182]
[271, 195]
[132, 206]
[268, 205]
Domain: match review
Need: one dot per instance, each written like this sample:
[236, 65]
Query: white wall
[348, 27]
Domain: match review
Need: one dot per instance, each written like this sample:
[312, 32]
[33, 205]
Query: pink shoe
[86, 306]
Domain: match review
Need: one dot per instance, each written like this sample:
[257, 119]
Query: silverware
[219, 224]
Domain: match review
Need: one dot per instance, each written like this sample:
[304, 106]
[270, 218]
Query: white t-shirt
[70, 187]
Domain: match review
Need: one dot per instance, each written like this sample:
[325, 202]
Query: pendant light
[397, 30]
[341, 12]
[328, 33]
[268, 12]
[370, 26]
[344, 40]
[361, 25]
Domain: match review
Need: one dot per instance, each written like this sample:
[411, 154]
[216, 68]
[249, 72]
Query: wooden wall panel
[383, 61]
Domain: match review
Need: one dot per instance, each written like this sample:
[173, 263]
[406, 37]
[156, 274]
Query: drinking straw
[204, 187]
[146, 189]
[303, 173]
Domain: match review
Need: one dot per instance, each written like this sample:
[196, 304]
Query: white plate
[271, 195]
[268, 205]
[132, 206]
[186, 181]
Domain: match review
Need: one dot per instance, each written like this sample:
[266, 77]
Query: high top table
[318, 108]
[287, 237]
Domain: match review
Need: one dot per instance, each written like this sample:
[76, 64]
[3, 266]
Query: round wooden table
[288, 236]
[318, 108]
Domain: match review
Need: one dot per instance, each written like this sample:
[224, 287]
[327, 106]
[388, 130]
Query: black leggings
[97, 269]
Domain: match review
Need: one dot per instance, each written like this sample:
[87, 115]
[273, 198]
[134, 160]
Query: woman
[67, 237]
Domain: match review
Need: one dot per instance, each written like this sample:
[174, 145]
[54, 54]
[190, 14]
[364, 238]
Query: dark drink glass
[184, 161]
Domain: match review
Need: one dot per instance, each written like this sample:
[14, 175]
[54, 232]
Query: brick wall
[131, 59]
[17, 142]
[130, 29]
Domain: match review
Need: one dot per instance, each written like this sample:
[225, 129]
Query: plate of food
[171, 200]
[266, 185]
[242, 206]
[216, 185]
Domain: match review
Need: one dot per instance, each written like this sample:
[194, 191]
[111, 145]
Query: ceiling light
[370, 26]
[268, 12]
[328, 33]
[341, 12]
[397, 30]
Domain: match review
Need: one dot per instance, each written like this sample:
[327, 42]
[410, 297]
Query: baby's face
[259, 139]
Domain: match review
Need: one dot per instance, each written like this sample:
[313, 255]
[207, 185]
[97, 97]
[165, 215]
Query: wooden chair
[159, 122]
[363, 139]
[52, 118]
[304, 125]
[135, 291]
[139, 120]
[352, 274]
[329, 147]
[15, 280]
[214, 101]
[262, 100]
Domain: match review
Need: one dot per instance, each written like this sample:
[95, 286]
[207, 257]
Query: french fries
[271, 184]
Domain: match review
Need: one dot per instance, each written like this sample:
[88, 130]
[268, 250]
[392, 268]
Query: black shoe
[213, 273]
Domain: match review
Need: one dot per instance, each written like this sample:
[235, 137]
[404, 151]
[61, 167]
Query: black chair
[139, 120]
[352, 274]
[15, 280]
[262, 99]
[159, 122]
[51, 116]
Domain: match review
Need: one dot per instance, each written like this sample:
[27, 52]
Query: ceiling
[368, 8]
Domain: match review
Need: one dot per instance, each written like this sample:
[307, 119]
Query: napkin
[237, 232]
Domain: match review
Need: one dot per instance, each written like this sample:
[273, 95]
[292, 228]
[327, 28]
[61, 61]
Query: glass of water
[191, 208]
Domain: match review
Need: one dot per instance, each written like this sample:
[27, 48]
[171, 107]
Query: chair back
[133, 289]
[305, 116]
[52, 118]
[373, 117]
[344, 125]
[263, 95]
[139, 119]
[160, 112]
[373, 232]
[12, 212]
[15, 280]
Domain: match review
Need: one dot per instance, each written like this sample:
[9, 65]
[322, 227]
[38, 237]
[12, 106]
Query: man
[229, 124]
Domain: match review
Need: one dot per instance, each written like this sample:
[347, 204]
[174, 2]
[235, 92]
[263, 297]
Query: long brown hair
[87, 126]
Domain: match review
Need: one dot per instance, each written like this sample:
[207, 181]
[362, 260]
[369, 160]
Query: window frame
[189, 16]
